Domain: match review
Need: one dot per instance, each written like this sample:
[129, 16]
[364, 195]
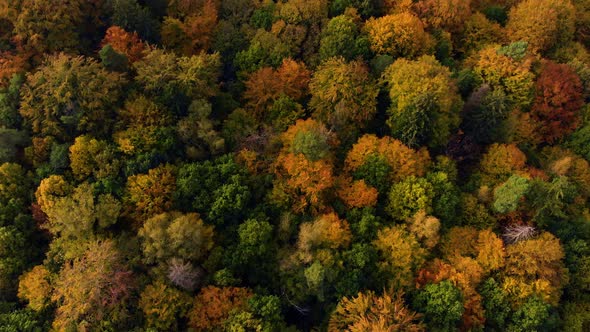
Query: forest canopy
[294, 165]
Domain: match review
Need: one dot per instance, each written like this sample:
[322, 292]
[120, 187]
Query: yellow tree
[544, 24]
[401, 255]
[150, 194]
[35, 288]
[399, 35]
[449, 15]
[325, 232]
[425, 104]
[343, 94]
[370, 312]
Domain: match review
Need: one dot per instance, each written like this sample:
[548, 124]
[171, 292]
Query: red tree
[559, 98]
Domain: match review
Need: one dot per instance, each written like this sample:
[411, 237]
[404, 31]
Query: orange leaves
[213, 306]
[34, 287]
[558, 101]
[307, 182]
[266, 85]
[189, 30]
[403, 160]
[356, 194]
[125, 43]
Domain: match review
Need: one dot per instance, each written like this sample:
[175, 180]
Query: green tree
[442, 305]
[342, 37]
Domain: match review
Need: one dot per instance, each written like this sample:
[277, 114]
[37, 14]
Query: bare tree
[183, 274]
[516, 233]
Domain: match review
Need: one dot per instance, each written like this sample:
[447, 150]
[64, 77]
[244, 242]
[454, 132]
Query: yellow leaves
[343, 93]
[403, 160]
[490, 251]
[151, 194]
[503, 72]
[425, 228]
[34, 287]
[163, 305]
[325, 232]
[542, 23]
[50, 189]
[369, 312]
[501, 161]
[398, 35]
[401, 255]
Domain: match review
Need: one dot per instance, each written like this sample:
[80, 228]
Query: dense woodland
[294, 165]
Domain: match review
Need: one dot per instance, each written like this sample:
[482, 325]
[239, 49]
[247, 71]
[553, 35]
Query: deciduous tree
[425, 104]
[398, 35]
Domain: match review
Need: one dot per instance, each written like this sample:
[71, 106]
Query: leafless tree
[516, 233]
[183, 274]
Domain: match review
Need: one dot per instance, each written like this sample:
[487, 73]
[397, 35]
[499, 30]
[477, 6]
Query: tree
[448, 15]
[150, 194]
[213, 306]
[500, 162]
[424, 102]
[537, 261]
[302, 183]
[342, 37]
[91, 157]
[93, 288]
[381, 161]
[265, 50]
[163, 306]
[42, 27]
[398, 35]
[409, 196]
[558, 101]
[490, 251]
[128, 44]
[370, 312]
[425, 228]
[217, 189]
[197, 131]
[266, 85]
[14, 191]
[325, 232]
[544, 24]
[441, 304]
[145, 127]
[70, 94]
[194, 28]
[401, 255]
[343, 94]
[34, 287]
[9, 102]
[132, 17]
[75, 214]
[507, 196]
[175, 235]
[503, 69]
[168, 77]
[356, 194]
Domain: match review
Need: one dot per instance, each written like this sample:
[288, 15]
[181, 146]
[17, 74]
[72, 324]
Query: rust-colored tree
[213, 306]
[558, 101]
[125, 43]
